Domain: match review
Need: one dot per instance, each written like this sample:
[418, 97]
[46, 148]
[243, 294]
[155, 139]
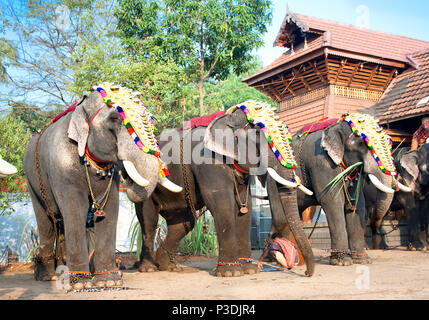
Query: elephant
[220, 185]
[6, 169]
[323, 155]
[413, 172]
[73, 172]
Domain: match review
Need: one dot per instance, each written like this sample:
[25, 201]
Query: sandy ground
[394, 274]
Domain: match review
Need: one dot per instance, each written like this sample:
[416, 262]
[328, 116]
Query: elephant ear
[78, 127]
[409, 162]
[219, 136]
[333, 144]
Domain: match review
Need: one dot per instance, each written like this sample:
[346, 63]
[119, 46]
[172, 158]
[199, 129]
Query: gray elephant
[413, 169]
[6, 169]
[223, 187]
[72, 172]
[323, 155]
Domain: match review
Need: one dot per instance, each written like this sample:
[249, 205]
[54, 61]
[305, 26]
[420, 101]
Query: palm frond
[335, 181]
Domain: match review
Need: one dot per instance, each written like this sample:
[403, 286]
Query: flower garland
[163, 170]
[392, 173]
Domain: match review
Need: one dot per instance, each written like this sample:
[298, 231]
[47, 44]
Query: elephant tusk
[404, 188]
[134, 175]
[305, 190]
[379, 185]
[169, 185]
[6, 169]
[280, 180]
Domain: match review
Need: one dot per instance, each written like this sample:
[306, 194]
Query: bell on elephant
[6, 169]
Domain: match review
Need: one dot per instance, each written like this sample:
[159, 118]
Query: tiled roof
[365, 41]
[347, 38]
[408, 94]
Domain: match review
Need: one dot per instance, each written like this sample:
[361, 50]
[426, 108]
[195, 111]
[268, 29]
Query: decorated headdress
[380, 144]
[276, 132]
[136, 118]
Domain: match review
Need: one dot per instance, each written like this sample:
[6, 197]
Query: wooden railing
[333, 90]
[355, 93]
[305, 98]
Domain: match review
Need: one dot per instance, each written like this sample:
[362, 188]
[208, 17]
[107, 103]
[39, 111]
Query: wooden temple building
[330, 69]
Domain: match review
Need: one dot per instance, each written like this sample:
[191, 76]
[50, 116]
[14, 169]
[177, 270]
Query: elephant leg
[222, 204]
[177, 230]
[334, 209]
[377, 239]
[422, 225]
[243, 223]
[44, 269]
[412, 214]
[148, 219]
[74, 215]
[355, 225]
[106, 272]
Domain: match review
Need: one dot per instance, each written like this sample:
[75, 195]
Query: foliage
[33, 118]
[13, 141]
[136, 237]
[8, 55]
[57, 40]
[202, 240]
[30, 239]
[206, 38]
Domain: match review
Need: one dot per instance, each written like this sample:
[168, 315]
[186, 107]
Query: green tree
[56, 41]
[207, 38]
[8, 56]
[13, 141]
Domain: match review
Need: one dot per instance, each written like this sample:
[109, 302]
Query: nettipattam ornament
[380, 144]
[136, 118]
[276, 132]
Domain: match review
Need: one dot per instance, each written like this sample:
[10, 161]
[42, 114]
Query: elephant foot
[340, 259]
[248, 267]
[108, 279]
[170, 267]
[79, 281]
[166, 262]
[229, 270]
[416, 246]
[361, 258]
[147, 266]
[44, 268]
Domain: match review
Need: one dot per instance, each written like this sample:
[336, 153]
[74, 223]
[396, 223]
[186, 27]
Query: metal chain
[238, 194]
[107, 193]
[303, 177]
[186, 175]
[45, 197]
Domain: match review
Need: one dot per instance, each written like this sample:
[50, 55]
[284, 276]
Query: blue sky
[408, 18]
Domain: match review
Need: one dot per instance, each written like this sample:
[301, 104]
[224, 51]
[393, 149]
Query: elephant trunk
[290, 207]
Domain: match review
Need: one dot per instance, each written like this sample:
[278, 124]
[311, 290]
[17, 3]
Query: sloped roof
[345, 38]
[365, 41]
[408, 94]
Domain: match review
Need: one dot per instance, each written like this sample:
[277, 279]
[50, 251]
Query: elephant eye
[114, 118]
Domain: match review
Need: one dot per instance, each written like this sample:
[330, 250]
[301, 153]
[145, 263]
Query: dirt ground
[394, 274]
